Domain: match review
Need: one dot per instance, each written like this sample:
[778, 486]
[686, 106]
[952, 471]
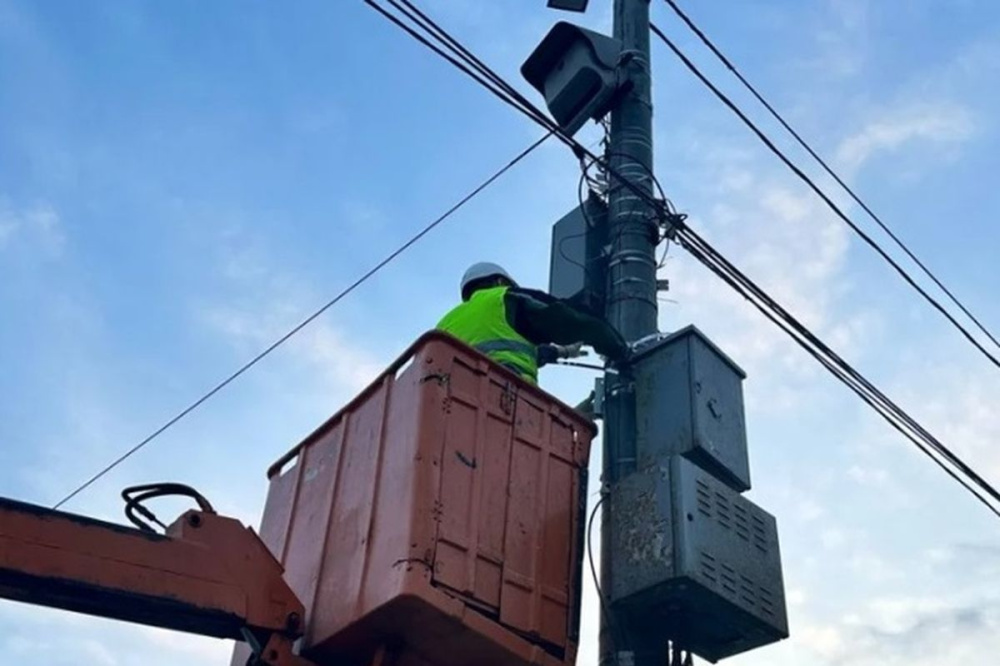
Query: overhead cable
[701, 250]
[615, 632]
[826, 167]
[899, 419]
[305, 322]
[822, 195]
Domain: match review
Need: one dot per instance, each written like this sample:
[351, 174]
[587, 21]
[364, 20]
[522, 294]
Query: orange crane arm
[207, 575]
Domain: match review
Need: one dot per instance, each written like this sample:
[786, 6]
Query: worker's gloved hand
[574, 350]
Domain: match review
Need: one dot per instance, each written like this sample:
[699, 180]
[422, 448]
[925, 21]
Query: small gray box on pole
[689, 401]
[577, 265]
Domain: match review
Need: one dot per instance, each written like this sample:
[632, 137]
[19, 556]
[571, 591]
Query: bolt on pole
[631, 289]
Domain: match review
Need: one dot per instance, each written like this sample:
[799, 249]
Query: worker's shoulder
[532, 294]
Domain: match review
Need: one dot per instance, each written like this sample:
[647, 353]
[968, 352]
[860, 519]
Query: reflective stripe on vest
[481, 322]
[516, 346]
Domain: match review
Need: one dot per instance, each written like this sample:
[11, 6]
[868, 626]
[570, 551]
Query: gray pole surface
[631, 287]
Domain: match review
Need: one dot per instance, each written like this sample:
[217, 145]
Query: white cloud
[37, 225]
[878, 478]
[187, 646]
[96, 653]
[962, 413]
[832, 538]
[868, 476]
[868, 562]
[344, 361]
[796, 597]
[955, 401]
[916, 631]
[840, 30]
[938, 626]
[943, 124]
[809, 510]
[89, 412]
[59, 638]
[7, 228]
[853, 15]
[790, 244]
[321, 346]
[272, 301]
[364, 216]
[825, 640]
[980, 59]
[317, 118]
[896, 614]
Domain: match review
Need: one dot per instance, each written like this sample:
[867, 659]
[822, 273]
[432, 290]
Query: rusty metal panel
[317, 480]
[475, 464]
[696, 562]
[346, 534]
[277, 518]
[539, 577]
[520, 548]
[439, 511]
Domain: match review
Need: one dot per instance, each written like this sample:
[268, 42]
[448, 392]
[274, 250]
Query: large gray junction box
[696, 562]
[693, 561]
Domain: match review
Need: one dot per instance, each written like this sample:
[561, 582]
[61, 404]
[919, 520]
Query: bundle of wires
[424, 29]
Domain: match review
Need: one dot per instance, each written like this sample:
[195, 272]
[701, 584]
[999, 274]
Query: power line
[305, 322]
[702, 251]
[826, 167]
[473, 67]
[461, 58]
[822, 195]
[614, 631]
[862, 387]
[868, 392]
[453, 51]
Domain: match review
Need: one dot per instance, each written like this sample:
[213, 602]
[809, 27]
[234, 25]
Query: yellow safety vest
[481, 323]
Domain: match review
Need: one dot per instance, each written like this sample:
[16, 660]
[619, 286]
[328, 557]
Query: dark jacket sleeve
[543, 319]
[546, 354]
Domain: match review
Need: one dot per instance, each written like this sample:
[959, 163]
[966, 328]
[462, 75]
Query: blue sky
[179, 183]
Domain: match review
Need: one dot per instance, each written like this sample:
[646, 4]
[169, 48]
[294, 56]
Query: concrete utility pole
[632, 268]
[631, 286]
[685, 558]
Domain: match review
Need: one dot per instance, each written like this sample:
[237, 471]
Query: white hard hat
[483, 270]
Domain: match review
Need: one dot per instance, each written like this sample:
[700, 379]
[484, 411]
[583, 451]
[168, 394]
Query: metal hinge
[508, 399]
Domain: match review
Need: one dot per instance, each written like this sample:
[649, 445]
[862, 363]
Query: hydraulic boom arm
[206, 575]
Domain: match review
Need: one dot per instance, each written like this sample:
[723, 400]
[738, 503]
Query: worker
[524, 329]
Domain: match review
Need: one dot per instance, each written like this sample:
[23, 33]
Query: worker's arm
[550, 353]
[544, 319]
[547, 354]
